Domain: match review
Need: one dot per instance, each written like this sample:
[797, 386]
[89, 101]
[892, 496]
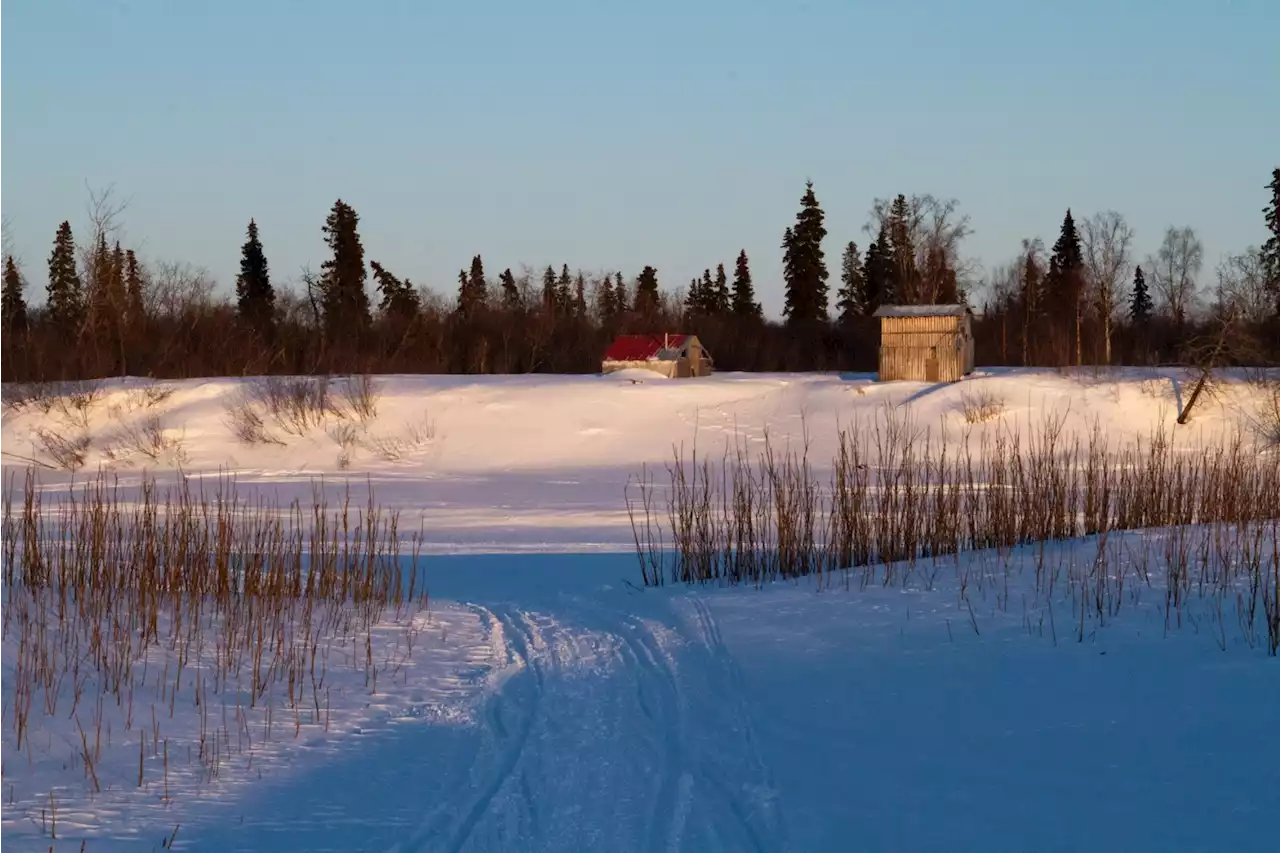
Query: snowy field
[1028, 698]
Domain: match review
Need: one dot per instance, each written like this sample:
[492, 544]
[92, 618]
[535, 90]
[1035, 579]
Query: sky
[610, 135]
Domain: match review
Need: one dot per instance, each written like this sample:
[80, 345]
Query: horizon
[613, 139]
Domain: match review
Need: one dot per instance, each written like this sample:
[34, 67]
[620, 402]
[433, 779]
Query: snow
[549, 704]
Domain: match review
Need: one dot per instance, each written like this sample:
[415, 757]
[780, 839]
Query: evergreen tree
[620, 297]
[904, 277]
[65, 292]
[255, 297]
[580, 296]
[853, 285]
[564, 291]
[647, 298]
[13, 306]
[1030, 297]
[343, 298]
[116, 279]
[399, 298]
[473, 292]
[510, 293]
[1064, 285]
[804, 268]
[877, 274]
[939, 279]
[549, 289]
[694, 301]
[1271, 249]
[133, 288]
[708, 290]
[99, 296]
[1140, 303]
[744, 302]
[719, 301]
[606, 304]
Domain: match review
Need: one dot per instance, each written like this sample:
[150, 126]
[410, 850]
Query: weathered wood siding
[666, 368]
[925, 349]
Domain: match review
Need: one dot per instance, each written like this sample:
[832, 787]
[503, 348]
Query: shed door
[931, 366]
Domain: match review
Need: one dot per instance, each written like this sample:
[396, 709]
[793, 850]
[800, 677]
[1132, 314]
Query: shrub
[980, 406]
[360, 395]
[244, 421]
[148, 437]
[413, 436]
[66, 451]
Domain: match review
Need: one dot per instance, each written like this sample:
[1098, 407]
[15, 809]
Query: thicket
[901, 505]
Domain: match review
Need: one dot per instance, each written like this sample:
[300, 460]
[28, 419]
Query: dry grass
[245, 600]
[414, 436]
[264, 409]
[149, 438]
[65, 451]
[359, 395]
[897, 503]
[978, 407]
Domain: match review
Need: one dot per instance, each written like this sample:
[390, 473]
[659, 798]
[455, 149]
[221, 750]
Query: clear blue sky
[609, 134]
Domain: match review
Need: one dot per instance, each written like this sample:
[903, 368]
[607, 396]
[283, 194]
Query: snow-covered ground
[551, 704]
[537, 463]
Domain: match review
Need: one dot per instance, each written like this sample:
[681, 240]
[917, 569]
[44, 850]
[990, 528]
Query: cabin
[673, 356]
[925, 343]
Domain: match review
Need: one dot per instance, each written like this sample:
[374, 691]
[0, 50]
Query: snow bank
[516, 463]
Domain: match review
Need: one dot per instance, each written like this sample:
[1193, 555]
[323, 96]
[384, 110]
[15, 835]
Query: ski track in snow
[691, 802]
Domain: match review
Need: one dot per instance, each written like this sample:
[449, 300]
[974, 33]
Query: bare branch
[1106, 239]
[1175, 269]
[1242, 286]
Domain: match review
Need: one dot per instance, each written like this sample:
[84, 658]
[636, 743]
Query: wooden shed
[925, 343]
[674, 356]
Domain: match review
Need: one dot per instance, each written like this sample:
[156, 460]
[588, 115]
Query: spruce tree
[877, 274]
[647, 297]
[65, 293]
[564, 291]
[695, 301]
[1271, 249]
[904, 276]
[1031, 296]
[133, 288]
[399, 298]
[606, 305]
[1140, 303]
[255, 297]
[744, 302]
[344, 301]
[510, 293]
[580, 296]
[1065, 282]
[549, 289]
[853, 285]
[804, 269]
[720, 301]
[472, 290]
[13, 305]
[620, 298]
[116, 279]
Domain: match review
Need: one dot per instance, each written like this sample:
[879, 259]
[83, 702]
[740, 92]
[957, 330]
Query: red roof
[641, 347]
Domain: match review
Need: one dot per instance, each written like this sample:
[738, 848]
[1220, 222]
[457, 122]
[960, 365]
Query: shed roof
[642, 347]
[921, 311]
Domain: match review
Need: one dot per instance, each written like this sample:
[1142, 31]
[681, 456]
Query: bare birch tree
[1175, 269]
[1107, 241]
[936, 230]
[1242, 287]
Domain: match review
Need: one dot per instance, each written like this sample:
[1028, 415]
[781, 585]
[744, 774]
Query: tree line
[1085, 300]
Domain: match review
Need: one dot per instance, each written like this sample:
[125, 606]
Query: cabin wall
[925, 349]
[665, 368]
